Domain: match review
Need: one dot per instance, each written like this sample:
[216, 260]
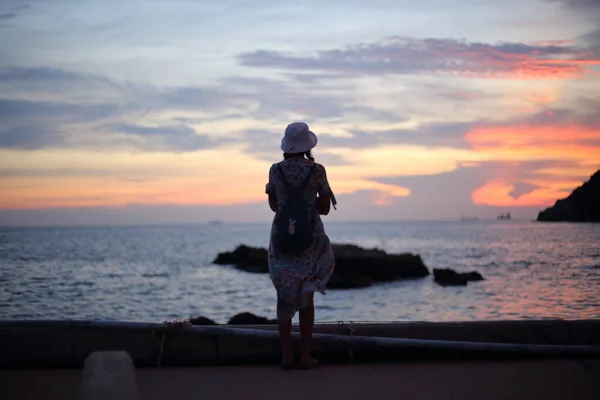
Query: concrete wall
[53, 344]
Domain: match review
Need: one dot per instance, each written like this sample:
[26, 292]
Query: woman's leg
[307, 323]
[287, 346]
[284, 325]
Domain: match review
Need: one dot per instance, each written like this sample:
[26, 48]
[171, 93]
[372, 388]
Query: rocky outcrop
[354, 266]
[449, 277]
[202, 321]
[583, 205]
[246, 258]
[245, 318]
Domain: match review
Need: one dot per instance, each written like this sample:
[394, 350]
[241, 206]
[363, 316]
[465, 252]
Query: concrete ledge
[66, 344]
[108, 375]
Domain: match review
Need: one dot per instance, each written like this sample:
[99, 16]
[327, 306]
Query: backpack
[294, 230]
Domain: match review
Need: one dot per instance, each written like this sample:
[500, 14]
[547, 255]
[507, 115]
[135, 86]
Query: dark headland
[583, 205]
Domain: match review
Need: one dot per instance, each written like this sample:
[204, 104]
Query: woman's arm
[323, 204]
[271, 189]
[273, 201]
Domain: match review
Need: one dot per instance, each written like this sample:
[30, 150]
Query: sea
[158, 273]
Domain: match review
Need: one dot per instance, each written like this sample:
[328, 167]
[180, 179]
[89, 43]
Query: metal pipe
[368, 342]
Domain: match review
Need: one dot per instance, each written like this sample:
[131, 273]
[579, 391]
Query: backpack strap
[286, 184]
[304, 185]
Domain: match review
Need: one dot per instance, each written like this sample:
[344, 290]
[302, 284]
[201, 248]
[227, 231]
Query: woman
[297, 275]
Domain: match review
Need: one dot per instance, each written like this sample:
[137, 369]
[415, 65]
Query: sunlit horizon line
[268, 222]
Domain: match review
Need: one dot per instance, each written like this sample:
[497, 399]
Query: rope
[177, 323]
[163, 334]
[69, 345]
[351, 331]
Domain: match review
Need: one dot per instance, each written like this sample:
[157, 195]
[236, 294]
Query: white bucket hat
[298, 138]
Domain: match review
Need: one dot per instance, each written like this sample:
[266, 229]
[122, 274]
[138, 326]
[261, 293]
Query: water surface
[532, 270]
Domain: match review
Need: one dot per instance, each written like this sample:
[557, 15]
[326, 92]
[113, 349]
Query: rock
[249, 259]
[582, 205]
[473, 276]
[449, 277]
[202, 321]
[360, 267]
[247, 318]
[377, 264]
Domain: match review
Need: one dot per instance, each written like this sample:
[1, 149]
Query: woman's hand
[323, 204]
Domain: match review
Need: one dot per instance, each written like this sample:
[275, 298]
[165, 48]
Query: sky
[156, 111]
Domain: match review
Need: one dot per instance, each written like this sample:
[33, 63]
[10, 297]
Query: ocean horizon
[326, 221]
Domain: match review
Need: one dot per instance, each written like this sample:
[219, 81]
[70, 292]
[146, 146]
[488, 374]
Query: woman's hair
[306, 154]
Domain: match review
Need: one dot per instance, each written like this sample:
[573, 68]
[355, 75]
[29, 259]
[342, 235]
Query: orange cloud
[577, 145]
[56, 192]
[498, 193]
[531, 142]
[41, 179]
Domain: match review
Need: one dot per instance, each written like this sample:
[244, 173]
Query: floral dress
[296, 276]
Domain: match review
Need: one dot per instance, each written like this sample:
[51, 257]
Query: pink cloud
[405, 55]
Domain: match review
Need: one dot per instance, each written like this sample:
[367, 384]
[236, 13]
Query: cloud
[28, 137]
[582, 6]
[256, 97]
[451, 200]
[520, 189]
[556, 135]
[193, 98]
[161, 138]
[592, 38]
[543, 156]
[581, 125]
[500, 193]
[7, 16]
[448, 134]
[521, 162]
[260, 96]
[11, 73]
[156, 138]
[239, 121]
[46, 111]
[448, 194]
[588, 11]
[405, 55]
[12, 12]
[28, 124]
[491, 184]
[27, 79]
[121, 177]
[56, 100]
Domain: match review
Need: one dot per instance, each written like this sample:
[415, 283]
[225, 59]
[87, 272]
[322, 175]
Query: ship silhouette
[504, 216]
